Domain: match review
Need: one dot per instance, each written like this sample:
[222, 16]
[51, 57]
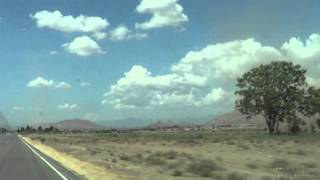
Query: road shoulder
[83, 169]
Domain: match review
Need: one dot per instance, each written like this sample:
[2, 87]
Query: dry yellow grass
[84, 169]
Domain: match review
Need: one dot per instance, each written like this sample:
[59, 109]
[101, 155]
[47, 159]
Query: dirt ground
[225, 155]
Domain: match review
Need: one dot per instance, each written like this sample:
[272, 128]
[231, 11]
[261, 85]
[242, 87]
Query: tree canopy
[274, 90]
[311, 104]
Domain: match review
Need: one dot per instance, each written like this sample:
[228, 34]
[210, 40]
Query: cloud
[203, 81]
[53, 52]
[85, 84]
[41, 82]
[123, 33]
[138, 88]
[226, 61]
[306, 53]
[92, 116]
[313, 81]
[83, 46]
[17, 108]
[63, 85]
[99, 35]
[216, 95]
[165, 13]
[119, 33]
[69, 24]
[68, 106]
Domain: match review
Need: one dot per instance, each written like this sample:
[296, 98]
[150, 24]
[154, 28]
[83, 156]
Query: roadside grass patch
[177, 173]
[235, 176]
[252, 165]
[124, 157]
[279, 163]
[231, 143]
[309, 165]
[243, 147]
[284, 166]
[154, 160]
[203, 168]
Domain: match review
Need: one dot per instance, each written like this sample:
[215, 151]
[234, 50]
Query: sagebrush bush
[204, 168]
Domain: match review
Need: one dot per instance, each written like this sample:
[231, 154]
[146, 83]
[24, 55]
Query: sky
[147, 59]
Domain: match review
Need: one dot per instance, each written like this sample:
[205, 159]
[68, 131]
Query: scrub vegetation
[206, 155]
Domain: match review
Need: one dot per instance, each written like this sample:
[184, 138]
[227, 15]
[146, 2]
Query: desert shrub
[220, 159]
[284, 178]
[177, 173]
[176, 164]
[252, 165]
[309, 164]
[93, 152]
[300, 152]
[231, 143]
[266, 178]
[217, 177]
[139, 156]
[154, 160]
[124, 157]
[235, 176]
[279, 163]
[42, 139]
[215, 140]
[167, 155]
[284, 166]
[186, 155]
[243, 146]
[203, 168]
[170, 154]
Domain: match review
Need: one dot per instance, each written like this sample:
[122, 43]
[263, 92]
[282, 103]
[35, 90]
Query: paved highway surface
[19, 162]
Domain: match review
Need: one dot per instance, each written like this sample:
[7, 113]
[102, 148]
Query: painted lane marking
[44, 160]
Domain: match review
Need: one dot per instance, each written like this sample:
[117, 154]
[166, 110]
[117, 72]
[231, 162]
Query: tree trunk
[277, 127]
[269, 124]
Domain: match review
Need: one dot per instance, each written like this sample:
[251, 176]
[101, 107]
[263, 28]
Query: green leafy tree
[40, 129]
[274, 90]
[311, 104]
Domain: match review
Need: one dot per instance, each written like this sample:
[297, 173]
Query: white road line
[44, 160]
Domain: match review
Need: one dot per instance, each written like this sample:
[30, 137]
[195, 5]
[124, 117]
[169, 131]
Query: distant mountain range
[126, 123]
[234, 118]
[73, 124]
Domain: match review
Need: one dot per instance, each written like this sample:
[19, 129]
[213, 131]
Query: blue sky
[154, 89]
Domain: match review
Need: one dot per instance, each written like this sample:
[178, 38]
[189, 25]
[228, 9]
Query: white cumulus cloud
[40, 82]
[123, 33]
[63, 85]
[83, 46]
[69, 24]
[163, 13]
[99, 35]
[68, 106]
[85, 84]
[17, 108]
[203, 81]
[53, 52]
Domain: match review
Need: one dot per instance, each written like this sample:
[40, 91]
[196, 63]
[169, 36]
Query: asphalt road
[18, 161]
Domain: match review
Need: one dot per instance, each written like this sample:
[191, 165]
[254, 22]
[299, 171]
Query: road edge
[42, 158]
